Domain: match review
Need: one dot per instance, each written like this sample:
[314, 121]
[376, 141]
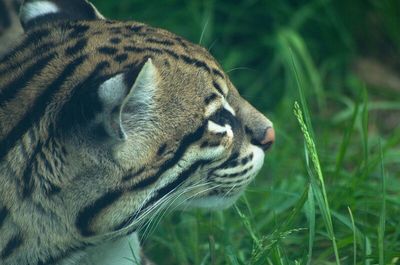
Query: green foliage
[329, 192]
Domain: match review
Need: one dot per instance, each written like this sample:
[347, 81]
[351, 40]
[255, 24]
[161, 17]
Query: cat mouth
[239, 170]
[228, 181]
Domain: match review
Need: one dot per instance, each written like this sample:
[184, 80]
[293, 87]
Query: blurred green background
[346, 55]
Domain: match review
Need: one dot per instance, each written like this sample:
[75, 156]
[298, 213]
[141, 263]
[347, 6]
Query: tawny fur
[71, 186]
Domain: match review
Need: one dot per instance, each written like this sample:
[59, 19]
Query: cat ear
[36, 12]
[129, 93]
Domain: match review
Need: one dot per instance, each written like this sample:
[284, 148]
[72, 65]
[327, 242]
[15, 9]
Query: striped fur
[10, 27]
[104, 125]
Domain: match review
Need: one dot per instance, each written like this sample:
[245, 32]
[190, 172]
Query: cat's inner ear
[36, 12]
[130, 94]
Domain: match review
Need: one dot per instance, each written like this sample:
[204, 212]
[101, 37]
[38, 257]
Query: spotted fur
[106, 123]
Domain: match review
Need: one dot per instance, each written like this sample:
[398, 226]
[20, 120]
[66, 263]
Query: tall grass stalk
[318, 188]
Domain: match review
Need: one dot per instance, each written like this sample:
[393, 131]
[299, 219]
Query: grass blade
[306, 127]
[211, 244]
[310, 210]
[382, 218]
[354, 236]
[248, 226]
[318, 188]
[346, 139]
[231, 256]
[368, 251]
[303, 101]
[295, 211]
[364, 125]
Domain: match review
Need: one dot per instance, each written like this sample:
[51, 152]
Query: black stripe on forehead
[195, 62]
[77, 47]
[172, 53]
[142, 49]
[135, 28]
[212, 97]
[182, 57]
[115, 40]
[218, 88]
[160, 41]
[218, 73]
[78, 30]
[181, 41]
[108, 50]
[120, 58]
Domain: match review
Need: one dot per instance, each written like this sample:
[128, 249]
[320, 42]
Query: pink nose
[269, 138]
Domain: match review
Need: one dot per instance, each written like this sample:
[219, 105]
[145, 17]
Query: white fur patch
[147, 81]
[145, 85]
[112, 91]
[224, 87]
[111, 94]
[258, 158]
[36, 9]
[229, 108]
[216, 128]
[212, 108]
[231, 170]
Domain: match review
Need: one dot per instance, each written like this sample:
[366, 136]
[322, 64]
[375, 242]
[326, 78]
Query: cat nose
[269, 138]
[257, 126]
[264, 138]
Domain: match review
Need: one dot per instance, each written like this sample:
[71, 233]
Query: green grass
[329, 192]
